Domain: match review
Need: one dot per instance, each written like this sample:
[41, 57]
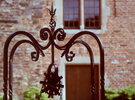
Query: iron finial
[52, 21]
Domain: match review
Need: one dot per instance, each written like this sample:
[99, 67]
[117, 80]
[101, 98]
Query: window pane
[97, 11]
[68, 4]
[96, 4]
[91, 17]
[71, 9]
[66, 11]
[91, 3]
[66, 18]
[92, 14]
[76, 3]
[86, 4]
[91, 10]
[76, 10]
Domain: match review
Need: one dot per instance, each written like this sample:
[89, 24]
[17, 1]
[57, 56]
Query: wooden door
[78, 82]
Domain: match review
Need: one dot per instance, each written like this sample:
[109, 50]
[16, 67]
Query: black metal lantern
[52, 81]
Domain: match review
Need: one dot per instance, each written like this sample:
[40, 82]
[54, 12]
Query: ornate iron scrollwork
[52, 81]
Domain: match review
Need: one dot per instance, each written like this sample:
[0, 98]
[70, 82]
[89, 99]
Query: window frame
[99, 15]
[79, 18]
[104, 13]
[82, 16]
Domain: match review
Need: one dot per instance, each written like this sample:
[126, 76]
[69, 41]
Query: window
[71, 14]
[81, 14]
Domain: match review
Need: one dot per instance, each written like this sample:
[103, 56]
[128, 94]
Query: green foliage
[129, 91]
[33, 93]
[123, 94]
[111, 93]
[1, 97]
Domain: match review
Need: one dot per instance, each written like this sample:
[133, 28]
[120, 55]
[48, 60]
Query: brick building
[112, 20]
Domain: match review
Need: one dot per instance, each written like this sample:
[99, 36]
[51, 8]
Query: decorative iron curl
[59, 34]
[69, 56]
[46, 34]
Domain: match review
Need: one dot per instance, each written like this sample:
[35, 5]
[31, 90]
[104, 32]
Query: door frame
[76, 60]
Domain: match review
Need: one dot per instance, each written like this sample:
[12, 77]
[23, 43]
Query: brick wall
[31, 15]
[119, 43]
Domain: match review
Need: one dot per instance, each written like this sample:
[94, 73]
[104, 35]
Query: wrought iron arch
[52, 82]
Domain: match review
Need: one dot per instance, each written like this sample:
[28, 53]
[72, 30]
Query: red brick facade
[31, 15]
